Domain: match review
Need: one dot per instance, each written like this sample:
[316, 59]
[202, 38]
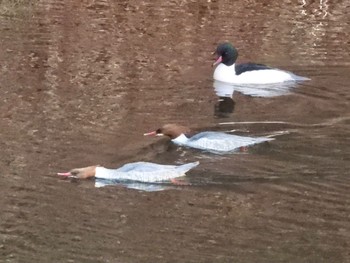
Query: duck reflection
[224, 107]
[226, 90]
[147, 187]
[225, 104]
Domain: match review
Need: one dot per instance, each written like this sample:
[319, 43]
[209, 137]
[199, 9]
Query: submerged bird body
[138, 172]
[216, 142]
[145, 172]
[247, 73]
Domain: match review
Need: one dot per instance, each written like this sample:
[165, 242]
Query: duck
[247, 73]
[210, 141]
[144, 172]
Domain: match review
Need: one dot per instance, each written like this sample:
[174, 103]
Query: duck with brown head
[171, 130]
[137, 172]
[215, 142]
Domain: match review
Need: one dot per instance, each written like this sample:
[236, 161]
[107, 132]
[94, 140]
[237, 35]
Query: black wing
[240, 68]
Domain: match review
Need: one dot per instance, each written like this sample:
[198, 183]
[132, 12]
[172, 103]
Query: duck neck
[229, 62]
[231, 67]
[181, 139]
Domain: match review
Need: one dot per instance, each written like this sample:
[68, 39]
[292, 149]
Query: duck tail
[186, 167]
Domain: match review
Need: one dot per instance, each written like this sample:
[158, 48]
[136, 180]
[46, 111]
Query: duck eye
[74, 172]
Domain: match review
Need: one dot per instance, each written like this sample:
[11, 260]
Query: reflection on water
[224, 107]
[223, 89]
[80, 81]
[147, 187]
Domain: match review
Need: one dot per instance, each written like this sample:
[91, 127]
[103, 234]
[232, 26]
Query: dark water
[81, 81]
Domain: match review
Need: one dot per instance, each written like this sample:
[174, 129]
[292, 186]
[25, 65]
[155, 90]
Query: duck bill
[67, 174]
[153, 133]
[218, 61]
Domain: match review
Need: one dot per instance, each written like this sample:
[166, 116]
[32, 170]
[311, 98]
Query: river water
[81, 81]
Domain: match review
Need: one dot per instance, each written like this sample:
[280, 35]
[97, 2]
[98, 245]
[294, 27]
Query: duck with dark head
[247, 73]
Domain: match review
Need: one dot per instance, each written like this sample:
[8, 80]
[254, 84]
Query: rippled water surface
[81, 81]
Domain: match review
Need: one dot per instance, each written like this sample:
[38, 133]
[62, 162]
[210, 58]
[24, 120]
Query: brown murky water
[81, 81]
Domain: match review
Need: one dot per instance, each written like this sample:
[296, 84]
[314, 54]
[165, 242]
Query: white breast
[228, 74]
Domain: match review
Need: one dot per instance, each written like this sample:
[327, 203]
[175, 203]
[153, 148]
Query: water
[80, 82]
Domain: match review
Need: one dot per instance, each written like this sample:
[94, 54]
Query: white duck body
[259, 76]
[144, 172]
[218, 142]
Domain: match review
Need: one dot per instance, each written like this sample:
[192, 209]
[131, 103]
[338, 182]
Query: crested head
[227, 54]
[83, 173]
[172, 130]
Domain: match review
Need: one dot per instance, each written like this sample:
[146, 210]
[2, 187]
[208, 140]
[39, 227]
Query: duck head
[171, 130]
[80, 173]
[226, 54]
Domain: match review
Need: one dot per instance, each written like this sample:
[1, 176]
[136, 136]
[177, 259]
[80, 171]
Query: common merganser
[215, 142]
[247, 73]
[137, 172]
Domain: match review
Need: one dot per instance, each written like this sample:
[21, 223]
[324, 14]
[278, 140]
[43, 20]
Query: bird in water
[145, 172]
[247, 73]
[215, 142]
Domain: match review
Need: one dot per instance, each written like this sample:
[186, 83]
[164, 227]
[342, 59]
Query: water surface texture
[81, 81]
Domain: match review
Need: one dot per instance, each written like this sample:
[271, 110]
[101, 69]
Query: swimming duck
[248, 73]
[139, 172]
[215, 142]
